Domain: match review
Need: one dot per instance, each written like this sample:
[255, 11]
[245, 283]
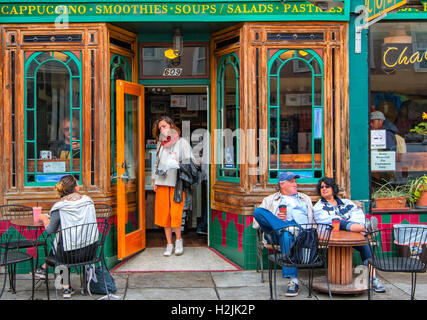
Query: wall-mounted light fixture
[178, 45]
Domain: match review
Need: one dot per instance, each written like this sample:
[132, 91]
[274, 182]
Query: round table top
[347, 239]
[26, 222]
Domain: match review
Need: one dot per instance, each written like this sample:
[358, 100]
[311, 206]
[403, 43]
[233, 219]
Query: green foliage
[387, 190]
[416, 187]
[421, 128]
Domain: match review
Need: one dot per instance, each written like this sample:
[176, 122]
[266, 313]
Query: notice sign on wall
[383, 161]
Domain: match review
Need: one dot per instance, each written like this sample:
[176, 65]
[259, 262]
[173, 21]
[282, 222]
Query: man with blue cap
[299, 211]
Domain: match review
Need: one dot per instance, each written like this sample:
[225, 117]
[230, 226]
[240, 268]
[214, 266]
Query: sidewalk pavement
[235, 285]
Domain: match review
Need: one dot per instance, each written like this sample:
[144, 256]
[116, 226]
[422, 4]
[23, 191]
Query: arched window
[53, 101]
[228, 118]
[119, 70]
[295, 113]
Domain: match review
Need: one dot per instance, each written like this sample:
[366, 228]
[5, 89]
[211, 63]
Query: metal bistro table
[29, 230]
[340, 264]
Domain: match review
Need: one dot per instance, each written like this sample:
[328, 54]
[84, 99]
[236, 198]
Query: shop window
[228, 118]
[398, 82]
[119, 70]
[193, 63]
[53, 86]
[295, 113]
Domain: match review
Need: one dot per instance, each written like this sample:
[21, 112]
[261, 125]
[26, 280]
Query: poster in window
[193, 102]
[378, 139]
[229, 157]
[178, 101]
[383, 160]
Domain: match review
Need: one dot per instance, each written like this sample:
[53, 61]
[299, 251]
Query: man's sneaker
[168, 251]
[41, 273]
[378, 286]
[67, 293]
[179, 247]
[292, 289]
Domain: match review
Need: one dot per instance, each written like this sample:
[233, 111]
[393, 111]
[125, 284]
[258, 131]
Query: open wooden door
[130, 168]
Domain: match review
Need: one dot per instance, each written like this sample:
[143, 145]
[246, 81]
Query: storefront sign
[383, 161]
[138, 10]
[375, 8]
[401, 56]
[378, 139]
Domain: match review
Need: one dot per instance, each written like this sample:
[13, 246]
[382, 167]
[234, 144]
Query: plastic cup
[283, 210]
[37, 211]
[335, 225]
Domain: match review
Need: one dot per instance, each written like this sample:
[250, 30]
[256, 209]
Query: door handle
[124, 177]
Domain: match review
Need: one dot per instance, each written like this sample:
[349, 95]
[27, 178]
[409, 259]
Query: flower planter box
[390, 203]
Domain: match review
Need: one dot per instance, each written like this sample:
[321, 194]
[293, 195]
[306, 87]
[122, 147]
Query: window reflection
[295, 90]
[398, 100]
[52, 116]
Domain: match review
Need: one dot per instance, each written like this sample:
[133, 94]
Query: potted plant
[421, 128]
[390, 196]
[417, 191]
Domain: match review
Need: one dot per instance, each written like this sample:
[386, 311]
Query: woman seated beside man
[351, 218]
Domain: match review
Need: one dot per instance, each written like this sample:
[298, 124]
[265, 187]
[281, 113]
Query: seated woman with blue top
[330, 206]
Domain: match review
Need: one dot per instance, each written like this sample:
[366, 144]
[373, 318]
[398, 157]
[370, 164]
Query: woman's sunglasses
[324, 187]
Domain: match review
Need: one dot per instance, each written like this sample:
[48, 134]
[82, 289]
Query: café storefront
[386, 74]
[257, 87]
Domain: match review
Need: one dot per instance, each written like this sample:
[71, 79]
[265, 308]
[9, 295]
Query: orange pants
[168, 213]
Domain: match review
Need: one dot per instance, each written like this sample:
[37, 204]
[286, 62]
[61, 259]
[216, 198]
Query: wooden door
[130, 168]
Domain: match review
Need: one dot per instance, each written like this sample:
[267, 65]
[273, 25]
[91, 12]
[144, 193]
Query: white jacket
[75, 213]
[345, 209]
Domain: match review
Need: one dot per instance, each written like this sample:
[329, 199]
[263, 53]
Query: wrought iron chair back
[78, 246]
[399, 249]
[283, 240]
[25, 237]
[9, 257]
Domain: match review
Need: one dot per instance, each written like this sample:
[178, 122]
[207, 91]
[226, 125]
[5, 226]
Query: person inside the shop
[378, 122]
[351, 218]
[72, 210]
[171, 148]
[61, 149]
[299, 211]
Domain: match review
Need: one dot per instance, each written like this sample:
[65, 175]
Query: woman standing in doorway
[171, 149]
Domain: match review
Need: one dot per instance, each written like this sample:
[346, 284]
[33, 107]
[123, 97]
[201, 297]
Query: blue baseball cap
[286, 176]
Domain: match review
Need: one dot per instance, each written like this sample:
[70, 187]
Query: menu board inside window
[192, 63]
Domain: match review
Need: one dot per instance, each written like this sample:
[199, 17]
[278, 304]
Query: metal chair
[400, 249]
[27, 238]
[77, 246]
[10, 256]
[285, 259]
[103, 212]
[261, 244]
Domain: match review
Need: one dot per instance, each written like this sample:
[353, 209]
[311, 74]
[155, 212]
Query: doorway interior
[188, 107]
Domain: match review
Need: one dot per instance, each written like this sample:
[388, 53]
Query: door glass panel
[130, 177]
